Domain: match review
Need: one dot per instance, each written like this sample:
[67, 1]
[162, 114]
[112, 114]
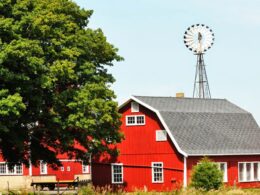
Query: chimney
[180, 95]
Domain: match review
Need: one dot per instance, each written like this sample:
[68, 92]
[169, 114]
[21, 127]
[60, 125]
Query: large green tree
[54, 84]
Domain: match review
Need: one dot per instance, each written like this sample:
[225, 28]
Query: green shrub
[206, 175]
[89, 189]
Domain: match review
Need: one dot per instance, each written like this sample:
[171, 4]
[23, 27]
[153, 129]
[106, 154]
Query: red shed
[166, 136]
[21, 176]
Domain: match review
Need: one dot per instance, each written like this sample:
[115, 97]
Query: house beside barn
[21, 177]
[166, 136]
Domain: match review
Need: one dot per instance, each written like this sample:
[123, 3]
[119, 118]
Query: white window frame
[85, 168]
[11, 172]
[225, 173]
[134, 107]
[16, 172]
[135, 120]
[68, 168]
[43, 168]
[158, 137]
[113, 174]
[153, 172]
[251, 171]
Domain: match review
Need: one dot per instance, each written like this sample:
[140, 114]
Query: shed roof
[206, 126]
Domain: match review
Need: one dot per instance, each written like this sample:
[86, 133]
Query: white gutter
[185, 172]
[238, 154]
[30, 168]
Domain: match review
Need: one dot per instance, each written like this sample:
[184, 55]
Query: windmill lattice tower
[199, 38]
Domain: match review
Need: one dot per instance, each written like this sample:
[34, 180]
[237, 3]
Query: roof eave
[224, 154]
[125, 103]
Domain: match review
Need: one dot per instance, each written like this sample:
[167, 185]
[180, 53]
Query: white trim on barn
[184, 172]
[227, 154]
[118, 174]
[30, 168]
[137, 120]
[157, 169]
[225, 172]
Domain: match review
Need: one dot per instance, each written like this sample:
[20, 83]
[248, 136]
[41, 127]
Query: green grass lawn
[189, 191]
[89, 190]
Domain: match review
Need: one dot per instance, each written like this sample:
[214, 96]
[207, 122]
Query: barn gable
[206, 126]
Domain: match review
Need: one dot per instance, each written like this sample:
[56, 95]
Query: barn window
[117, 172]
[135, 120]
[134, 107]
[157, 172]
[223, 167]
[161, 135]
[3, 168]
[18, 169]
[140, 120]
[249, 171]
[85, 168]
[43, 167]
[15, 170]
[62, 168]
[130, 120]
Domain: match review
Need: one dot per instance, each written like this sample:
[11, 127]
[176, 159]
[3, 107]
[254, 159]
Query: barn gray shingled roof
[208, 126]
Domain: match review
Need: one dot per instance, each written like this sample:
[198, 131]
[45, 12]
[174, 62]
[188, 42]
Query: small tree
[206, 175]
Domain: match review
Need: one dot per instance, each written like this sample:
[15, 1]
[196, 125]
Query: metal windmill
[199, 38]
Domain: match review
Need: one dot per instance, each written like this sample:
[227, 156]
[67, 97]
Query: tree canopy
[55, 89]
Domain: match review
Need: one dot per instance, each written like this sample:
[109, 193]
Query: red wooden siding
[101, 174]
[71, 168]
[138, 151]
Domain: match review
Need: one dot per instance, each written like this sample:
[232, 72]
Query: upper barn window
[132, 120]
[134, 107]
[161, 135]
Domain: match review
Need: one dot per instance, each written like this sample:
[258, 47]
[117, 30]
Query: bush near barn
[206, 175]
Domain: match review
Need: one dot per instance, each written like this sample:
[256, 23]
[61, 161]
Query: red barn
[166, 136]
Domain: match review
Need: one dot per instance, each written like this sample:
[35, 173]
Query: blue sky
[149, 35]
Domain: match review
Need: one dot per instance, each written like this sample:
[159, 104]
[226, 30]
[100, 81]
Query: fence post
[78, 185]
[8, 187]
[58, 186]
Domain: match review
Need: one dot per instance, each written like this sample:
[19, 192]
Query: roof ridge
[190, 104]
[205, 112]
[180, 98]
